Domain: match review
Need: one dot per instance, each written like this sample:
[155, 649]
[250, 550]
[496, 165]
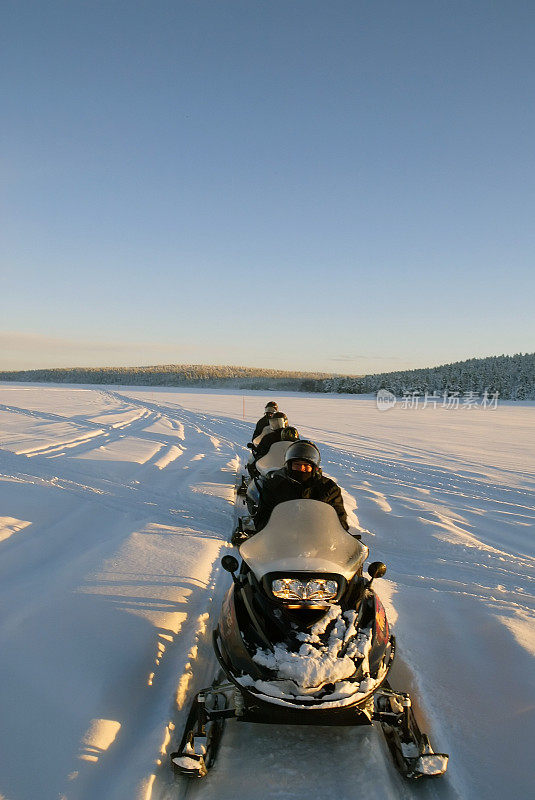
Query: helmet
[302, 450]
[270, 408]
[278, 420]
[289, 434]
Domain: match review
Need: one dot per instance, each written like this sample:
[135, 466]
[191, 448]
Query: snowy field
[115, 507]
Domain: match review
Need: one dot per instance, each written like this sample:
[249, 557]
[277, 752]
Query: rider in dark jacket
[269, 410]
[301, 477]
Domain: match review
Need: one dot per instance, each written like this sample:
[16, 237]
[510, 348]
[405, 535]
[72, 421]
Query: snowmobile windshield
[304, 536]
[274, 458]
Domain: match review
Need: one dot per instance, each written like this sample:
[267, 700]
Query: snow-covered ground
[115, 506]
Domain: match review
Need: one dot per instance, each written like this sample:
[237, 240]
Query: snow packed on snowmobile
[303, 639]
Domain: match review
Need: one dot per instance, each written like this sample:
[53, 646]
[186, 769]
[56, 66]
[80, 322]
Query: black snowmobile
[271, 461]
[252, 488]
[250, 465]
[303, 639]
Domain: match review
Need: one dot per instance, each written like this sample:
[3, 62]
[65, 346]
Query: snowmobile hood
[304, 536]
[274, 458]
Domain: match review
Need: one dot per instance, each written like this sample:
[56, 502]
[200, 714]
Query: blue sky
[341, 186]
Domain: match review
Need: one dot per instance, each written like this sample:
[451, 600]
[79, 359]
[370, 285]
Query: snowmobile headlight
[321, 589]
[288, 589]
[295, 589]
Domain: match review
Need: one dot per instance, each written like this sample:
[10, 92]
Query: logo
[385, 400]
[381, 622]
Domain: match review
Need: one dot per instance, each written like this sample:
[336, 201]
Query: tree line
[201, 375]
[512, 377]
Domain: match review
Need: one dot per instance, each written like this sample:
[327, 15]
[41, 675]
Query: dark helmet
[302, 450]
[289, 434]
[278, 420]
[270, 408]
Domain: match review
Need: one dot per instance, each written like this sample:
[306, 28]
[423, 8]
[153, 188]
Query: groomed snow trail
[115, 506]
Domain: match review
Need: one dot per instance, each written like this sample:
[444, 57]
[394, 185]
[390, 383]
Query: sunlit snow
[115, 507]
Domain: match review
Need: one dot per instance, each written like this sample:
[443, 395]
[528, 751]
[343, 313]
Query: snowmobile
[271, 461]
[245, 479]
[251, 489]
[303, 639]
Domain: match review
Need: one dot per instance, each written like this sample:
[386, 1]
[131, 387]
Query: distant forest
[179, 375]
[512, 377]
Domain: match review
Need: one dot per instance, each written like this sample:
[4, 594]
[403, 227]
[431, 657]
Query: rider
[269, 410]
[301, 477]
[279, 432]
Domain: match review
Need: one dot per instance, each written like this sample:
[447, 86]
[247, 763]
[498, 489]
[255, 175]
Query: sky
[343, 185]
